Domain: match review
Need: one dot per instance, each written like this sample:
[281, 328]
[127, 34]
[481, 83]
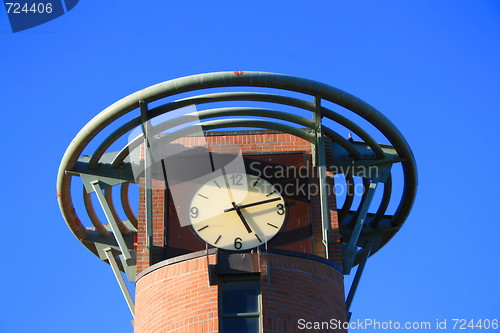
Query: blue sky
[432, 67]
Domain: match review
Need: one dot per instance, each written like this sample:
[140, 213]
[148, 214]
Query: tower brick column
[179, 296]
[181, 293]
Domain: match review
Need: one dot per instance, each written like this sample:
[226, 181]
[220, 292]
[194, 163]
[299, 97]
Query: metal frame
[111, 219]
[147, 175]
[364, 257]
[121, 282]
[104, 169]
[319, 151]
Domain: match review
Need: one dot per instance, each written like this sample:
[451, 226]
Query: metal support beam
[350, 250]
[147, 177]
[121, 281]
[319, 148]
[109, 216]
[366, 253]
[129, 266]
[367, 165]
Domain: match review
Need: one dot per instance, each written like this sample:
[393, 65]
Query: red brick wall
[178, 297]
[158, 226]
[297, 288]
[258, 142]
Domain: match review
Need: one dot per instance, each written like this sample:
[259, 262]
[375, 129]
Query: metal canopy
[101, 169]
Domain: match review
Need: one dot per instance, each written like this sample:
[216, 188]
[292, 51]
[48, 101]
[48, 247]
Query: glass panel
[240, 325]
[239, 296]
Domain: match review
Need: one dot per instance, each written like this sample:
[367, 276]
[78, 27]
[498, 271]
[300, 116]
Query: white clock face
[237, 211]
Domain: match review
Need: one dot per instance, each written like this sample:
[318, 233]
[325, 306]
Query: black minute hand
[251, 205]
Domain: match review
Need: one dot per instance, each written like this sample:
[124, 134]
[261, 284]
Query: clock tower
[257, 234]
[256, 196]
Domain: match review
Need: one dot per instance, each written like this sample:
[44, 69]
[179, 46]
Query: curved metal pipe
[337, 138]
[89, 207]
[108, 194]
[126, 204]
[284, 100]
[348, 199]
[235, 96]
[215, 124]
[66, 206]
[224, 79]
[216, 113]
[386, 198]
[379, 153]
[366, 183]
[239, 111]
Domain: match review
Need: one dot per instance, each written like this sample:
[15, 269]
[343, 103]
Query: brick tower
[287, 281]
[262, 249]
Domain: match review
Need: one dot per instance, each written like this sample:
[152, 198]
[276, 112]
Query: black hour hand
[240, 214]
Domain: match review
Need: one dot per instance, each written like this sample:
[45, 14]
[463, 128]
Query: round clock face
[237, 211]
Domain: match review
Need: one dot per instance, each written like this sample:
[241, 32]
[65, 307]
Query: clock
[237, 211]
